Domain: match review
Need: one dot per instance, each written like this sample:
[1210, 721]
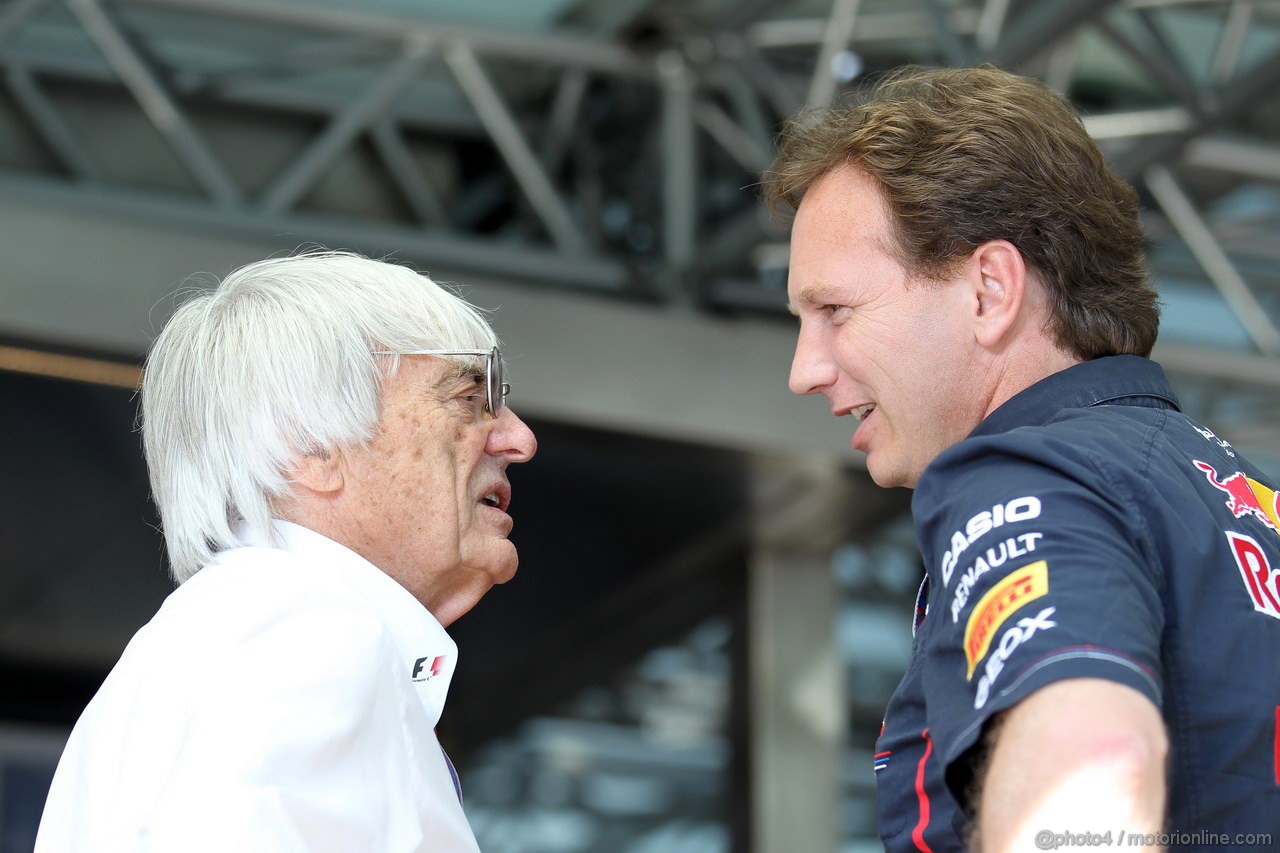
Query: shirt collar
[1128, 380]
[428, 655]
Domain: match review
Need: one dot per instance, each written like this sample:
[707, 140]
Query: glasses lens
[496, 388]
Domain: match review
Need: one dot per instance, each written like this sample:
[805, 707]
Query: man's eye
[474, 401]
[473, 395]
[837, 313]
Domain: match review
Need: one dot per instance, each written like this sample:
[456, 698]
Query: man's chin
[502, 565]
[888, 476]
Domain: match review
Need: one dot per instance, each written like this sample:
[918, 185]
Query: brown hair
[967, 155]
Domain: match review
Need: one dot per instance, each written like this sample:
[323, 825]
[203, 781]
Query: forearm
[1080, 756]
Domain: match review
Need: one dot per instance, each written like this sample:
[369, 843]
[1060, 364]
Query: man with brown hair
[1099, 651]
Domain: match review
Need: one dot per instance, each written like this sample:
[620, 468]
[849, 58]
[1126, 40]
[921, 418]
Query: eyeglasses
[496, 390]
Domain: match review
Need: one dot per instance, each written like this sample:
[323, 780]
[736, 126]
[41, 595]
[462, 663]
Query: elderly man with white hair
[328, 443]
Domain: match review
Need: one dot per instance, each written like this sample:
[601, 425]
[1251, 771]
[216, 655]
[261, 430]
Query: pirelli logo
[1001, 601]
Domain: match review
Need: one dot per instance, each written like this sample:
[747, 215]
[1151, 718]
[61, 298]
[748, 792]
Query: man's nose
[812, 369]
[511, 438]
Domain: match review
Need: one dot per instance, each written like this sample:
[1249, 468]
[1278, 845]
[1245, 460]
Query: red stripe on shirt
[917, 834]
[1277, 745]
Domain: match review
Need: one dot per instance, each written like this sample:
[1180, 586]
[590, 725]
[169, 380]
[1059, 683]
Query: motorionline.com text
[1047, 839]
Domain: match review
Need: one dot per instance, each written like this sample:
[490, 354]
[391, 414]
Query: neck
[1024, 364]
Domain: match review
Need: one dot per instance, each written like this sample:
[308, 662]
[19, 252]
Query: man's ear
[1000, 286]
[319, 471]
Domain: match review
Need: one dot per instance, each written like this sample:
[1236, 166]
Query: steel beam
[956, 50]
[1160, 65]
[275, 95]
[1061, 64]
[1040, 26]
[561, 125]
[511, 143]
[157, 103]
[1241, 97]
[754, 67]
[540, 48]
[1235, 29]
[422, 199]
[745, 105]
[733, 17]
[290, 185]
[1235, 290]
[297, 60]
[1156, 122]
[877, 27]
[735, 141]
[1220, 366]
[50, 125]
[437, 248]
[1251, 160]
[679, 176]
[835, 38]
[990, 23]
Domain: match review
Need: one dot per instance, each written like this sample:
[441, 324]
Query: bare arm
[1082, 755]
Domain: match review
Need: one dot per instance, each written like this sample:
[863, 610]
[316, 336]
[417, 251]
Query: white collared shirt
[282, 699]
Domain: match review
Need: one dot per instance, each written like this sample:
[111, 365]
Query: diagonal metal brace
[1193, 230]
[156, 102]
[292, 184]
[513, 147]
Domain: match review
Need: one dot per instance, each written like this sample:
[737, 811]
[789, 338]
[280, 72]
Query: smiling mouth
[862, 411]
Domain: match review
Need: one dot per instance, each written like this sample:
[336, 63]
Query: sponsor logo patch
[996, 556]
[1260, 580]
[425, 669]
[1000, 602]
[1017, 510]
[1210, 436]
[1026, 628]
[1245, 496]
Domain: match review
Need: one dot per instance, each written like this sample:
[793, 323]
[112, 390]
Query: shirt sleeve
[1039, 570]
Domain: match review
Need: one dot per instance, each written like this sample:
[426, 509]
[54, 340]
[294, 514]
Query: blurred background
[714, 602]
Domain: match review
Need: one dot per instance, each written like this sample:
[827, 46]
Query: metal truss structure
[608, 149]
[614, 146]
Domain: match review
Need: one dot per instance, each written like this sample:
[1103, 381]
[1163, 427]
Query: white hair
[274, 363]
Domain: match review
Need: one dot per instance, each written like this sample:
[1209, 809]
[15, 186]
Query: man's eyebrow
[818, 293]
[457, 372]
[461, 369]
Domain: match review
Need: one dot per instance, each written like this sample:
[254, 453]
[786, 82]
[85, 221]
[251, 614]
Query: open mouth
[498, 497]
[862, 411]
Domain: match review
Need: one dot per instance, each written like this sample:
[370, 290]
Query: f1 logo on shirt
[432, 669]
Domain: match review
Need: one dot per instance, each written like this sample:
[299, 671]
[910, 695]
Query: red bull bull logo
[1245, 496]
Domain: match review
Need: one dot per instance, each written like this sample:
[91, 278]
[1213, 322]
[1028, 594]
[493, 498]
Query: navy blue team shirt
[1087, 528]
